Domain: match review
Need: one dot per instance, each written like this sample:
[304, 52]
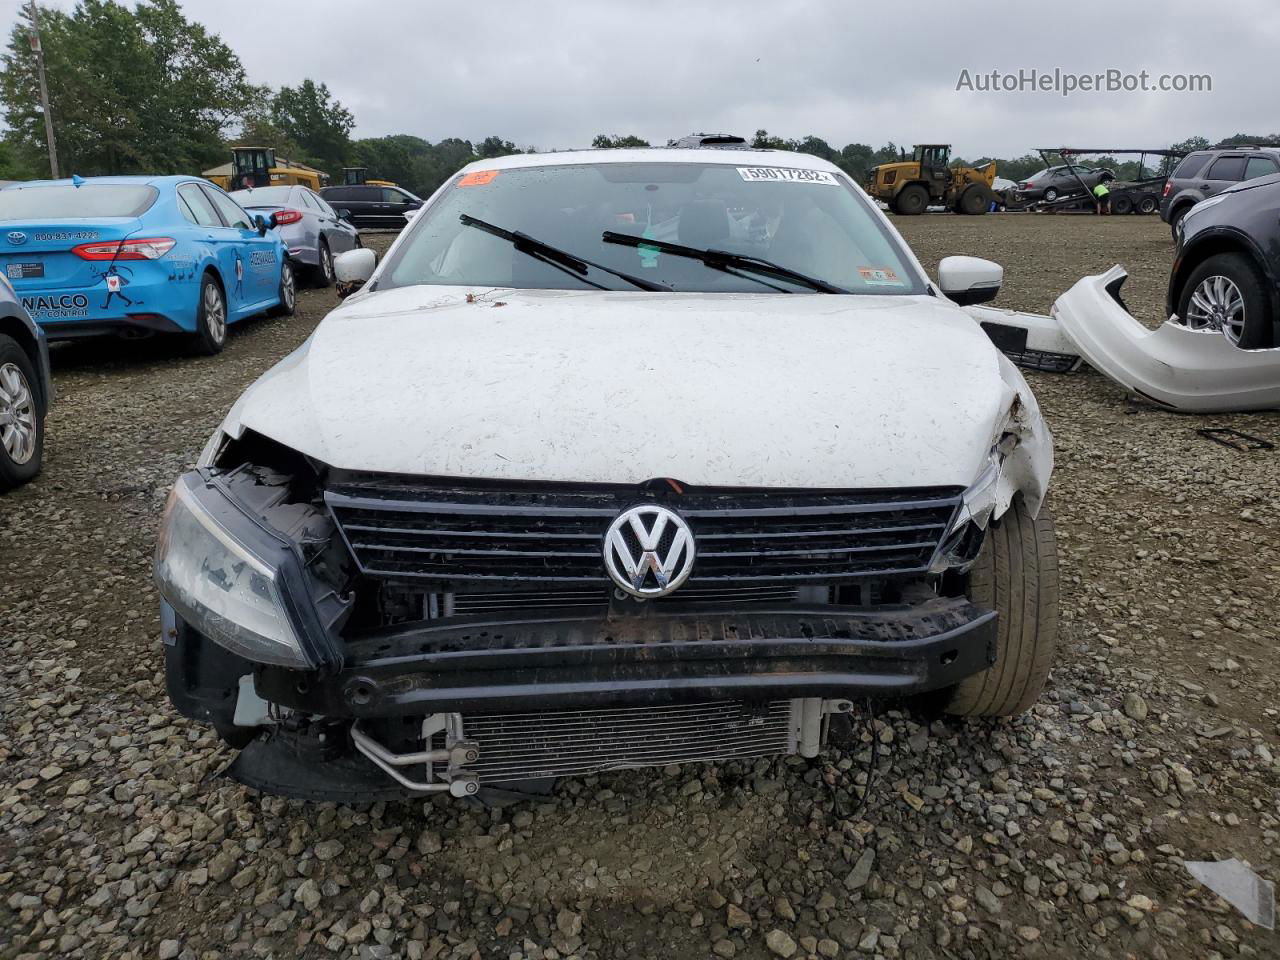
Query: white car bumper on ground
[1193, 371]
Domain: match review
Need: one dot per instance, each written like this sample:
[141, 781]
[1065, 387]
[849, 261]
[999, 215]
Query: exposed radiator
[527, 746]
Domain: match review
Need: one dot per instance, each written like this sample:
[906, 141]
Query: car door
[395, 203]
[1227, 169]
[250, 260]
[339, 234]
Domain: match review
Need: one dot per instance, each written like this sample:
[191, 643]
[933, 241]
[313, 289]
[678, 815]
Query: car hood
[717, 389]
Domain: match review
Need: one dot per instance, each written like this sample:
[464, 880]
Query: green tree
[495, 147]
[320, 125]
[605, 142]
[141, 90]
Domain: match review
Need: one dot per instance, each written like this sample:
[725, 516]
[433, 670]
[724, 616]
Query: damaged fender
[1026, 467]
[1173, 366]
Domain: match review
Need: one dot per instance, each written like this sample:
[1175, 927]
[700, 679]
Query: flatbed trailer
[1127, 196]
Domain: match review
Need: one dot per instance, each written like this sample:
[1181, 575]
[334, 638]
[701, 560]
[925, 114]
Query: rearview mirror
[353, 269]
[969, 280]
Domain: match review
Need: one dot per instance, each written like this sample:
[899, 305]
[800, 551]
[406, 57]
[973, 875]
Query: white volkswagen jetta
[619, 458]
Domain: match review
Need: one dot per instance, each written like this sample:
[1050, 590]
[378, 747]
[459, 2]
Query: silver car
[312, 231]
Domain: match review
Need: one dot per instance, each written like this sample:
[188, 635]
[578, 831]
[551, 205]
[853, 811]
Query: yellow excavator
[356, 177]
[259, 167]
[910, 186]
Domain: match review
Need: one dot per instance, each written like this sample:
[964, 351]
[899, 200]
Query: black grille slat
[495, 536]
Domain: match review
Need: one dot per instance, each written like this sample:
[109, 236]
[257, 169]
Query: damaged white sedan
[619, 459]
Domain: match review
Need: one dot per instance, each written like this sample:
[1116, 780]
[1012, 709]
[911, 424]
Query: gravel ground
[1058, 835]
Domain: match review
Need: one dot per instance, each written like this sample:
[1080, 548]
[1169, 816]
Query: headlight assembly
[228, 576]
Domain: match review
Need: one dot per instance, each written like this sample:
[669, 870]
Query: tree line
[146, 90]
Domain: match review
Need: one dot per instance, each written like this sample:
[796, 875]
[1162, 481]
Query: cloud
[556, 74]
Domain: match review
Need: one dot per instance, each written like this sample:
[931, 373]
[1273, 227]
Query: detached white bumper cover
[1189, 370]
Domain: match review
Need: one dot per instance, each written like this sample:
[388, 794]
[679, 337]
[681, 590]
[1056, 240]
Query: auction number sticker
[478, 178]
[786, 175]
[879, 275]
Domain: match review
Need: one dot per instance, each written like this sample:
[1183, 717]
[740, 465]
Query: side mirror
[344, 214]
[262, 223]
[410, 214]
[353, 269]
[969, 280]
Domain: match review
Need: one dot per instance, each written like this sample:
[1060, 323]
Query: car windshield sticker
[786, 175]
[881, 276]
[478, 178]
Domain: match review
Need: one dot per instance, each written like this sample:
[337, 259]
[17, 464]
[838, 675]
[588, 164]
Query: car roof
[135, 180]
[745, 157]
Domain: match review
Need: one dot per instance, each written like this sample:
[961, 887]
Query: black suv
[372, 206]
[1206, 173]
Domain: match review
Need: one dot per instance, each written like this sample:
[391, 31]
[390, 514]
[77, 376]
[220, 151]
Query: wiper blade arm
[724, 258]
[545, 251]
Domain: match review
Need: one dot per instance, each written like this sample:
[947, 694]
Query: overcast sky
[553, 73]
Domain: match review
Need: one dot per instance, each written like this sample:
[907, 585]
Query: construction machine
[357, 177]
[259, 167]
[910, 186]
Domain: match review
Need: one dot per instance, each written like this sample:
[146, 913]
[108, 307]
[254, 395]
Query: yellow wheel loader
[910, 186]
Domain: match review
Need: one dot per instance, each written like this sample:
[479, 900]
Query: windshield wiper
[554, 256]
[721, 259]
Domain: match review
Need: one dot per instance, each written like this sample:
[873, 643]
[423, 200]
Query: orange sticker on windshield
[477, 178]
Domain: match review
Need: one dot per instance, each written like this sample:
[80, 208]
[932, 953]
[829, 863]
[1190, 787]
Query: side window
[1191, 165]
[308, 199]
[1259, 167]
[322, 204]
[1226, 168]
[391, 195]
[195, 206]
[230, 210]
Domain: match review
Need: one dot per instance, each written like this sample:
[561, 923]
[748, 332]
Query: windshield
[262, 196]
[68, 202]
[810, 222]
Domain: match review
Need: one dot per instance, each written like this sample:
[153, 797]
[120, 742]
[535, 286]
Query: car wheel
[973, 201]
[1147, 205]
[1176, 217]
[21, 424]
[1051, 194]
[1227, 293]
[287, 292]
[1016, 575]
[323, 273]
[911, 200]
[1122, 205]
[211, 317]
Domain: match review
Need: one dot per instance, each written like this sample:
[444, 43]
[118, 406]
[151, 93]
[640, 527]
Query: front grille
[523, 601]
[475, 537]
[528, 746]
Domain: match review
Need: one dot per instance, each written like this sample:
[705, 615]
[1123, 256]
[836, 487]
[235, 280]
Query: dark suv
[372, 206]
[1206, 173]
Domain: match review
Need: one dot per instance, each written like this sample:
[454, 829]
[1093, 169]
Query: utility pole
[44, 88]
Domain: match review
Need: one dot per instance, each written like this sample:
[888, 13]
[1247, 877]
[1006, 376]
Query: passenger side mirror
[969, 280]
[262, 223]
[344, 214]
[353, 269]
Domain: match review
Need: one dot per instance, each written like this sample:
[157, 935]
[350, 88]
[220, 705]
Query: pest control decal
[881, 276]
[786, 175]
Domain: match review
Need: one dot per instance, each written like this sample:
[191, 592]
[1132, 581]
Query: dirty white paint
[1190, 370]
[723, 389]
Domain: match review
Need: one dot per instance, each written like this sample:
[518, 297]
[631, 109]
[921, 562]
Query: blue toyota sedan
[140, 255]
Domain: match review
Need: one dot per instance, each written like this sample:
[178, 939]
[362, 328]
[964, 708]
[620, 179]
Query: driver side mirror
[262, 223]
[353, 269]
[344, 214]
[969, 280]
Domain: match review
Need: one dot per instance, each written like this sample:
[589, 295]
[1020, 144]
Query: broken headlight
[229, 576]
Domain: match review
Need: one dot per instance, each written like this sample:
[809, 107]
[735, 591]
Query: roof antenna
[76, 180]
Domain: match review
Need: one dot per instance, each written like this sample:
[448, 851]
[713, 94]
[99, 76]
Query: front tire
[211, 318]
[973, 202]
[1016, 575]
[21, 423]
[287, 292]
[1228, 293]
[1050, 195]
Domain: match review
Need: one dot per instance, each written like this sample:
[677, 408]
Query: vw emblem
[17, 237]
[648, 551]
